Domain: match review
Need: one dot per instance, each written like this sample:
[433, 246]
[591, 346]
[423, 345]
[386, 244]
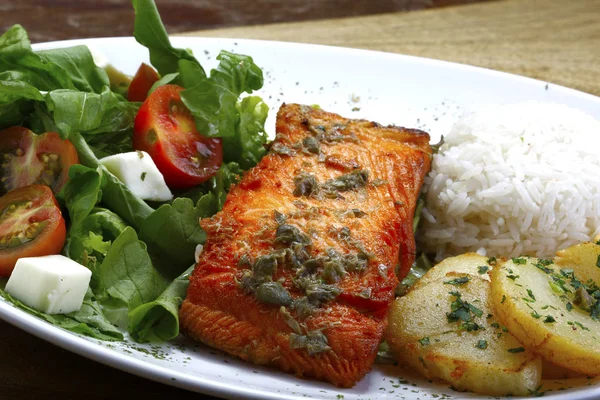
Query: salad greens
[140, 254]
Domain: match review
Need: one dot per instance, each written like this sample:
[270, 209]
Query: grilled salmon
[300, 266]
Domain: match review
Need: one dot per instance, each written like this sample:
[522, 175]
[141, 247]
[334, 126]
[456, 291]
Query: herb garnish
[424, 341]
[516, 350]
[482, 269]
[458, 281]
[482, 344]
[462, 311]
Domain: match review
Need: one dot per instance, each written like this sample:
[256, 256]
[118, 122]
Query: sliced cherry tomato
[165, 129]
[31, 225]
[141, 83]
[27, 158]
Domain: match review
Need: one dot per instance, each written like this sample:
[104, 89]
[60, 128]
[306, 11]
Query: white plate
[388, 88]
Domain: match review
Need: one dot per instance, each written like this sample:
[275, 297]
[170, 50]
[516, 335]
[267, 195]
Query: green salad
[140, 252]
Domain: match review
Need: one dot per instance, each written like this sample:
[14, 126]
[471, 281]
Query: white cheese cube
[51, 284]
[138, 172]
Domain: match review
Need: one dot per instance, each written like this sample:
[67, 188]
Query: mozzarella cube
[138, 172]
[51, 284]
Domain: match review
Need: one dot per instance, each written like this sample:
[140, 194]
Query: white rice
[510, 180]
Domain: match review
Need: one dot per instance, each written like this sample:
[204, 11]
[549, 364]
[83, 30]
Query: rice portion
[510, 180]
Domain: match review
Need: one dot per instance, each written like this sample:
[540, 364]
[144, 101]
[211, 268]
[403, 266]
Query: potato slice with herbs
[445, 328]
[550, 310]
[468, 263]
[583, 258]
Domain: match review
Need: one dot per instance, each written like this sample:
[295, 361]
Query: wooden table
[552, 40]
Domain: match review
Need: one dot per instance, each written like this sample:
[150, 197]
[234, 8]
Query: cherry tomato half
[165, 129]
[27, 158]
[31, 225]
[141, 83]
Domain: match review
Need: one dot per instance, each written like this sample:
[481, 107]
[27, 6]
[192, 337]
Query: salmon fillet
[300, 266]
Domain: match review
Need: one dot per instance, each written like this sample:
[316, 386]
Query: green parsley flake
[424, 341]
[535, 314]
[481, 344]
[530, 294]
[458, 281]
[549, 319]
[143, 177]
[598, 261]
[519, 261]
[503, 299]
[516, 350]
[482, 269]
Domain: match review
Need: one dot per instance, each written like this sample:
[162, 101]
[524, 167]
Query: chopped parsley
[424, 341]
[143, 177]
[481, 344]
[516, 350]
[549, 319]
[492, 261]
[535, 314]
[519, 261]
[463, 311]
[598, 261]
[503, 299]
[511, 276]
[530, 294]
[458, 281]
[482, 269]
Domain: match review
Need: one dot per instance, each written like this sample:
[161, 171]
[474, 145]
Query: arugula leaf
[88, 320]
[159, 320]
[149, 31]
[126, 278]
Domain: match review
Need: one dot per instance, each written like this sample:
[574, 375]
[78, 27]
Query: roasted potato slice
[468, 263]
[583, 259]
[538, 302]
[445, 328]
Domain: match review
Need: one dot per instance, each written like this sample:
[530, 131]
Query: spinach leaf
[158, 320]
[149, 31]
[68, 111]
[172, 232]
[126, 278]
[218, 186]
[77, 62]
[70, 68]
[88, 320]
[115, 196]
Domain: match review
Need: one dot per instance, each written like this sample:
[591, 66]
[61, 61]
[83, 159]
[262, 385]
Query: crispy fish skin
[302, 182]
